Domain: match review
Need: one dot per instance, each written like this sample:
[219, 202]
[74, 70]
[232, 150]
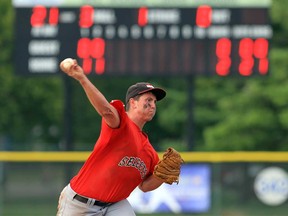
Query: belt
[85, 200]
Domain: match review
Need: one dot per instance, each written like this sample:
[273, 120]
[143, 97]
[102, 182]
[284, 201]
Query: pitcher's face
[146, 106]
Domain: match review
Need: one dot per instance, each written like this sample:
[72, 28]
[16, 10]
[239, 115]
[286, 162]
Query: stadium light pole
[68, 123]
[190, 110]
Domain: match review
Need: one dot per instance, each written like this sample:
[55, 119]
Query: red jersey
[122, 158]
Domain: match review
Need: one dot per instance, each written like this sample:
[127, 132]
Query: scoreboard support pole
[190, 111]
[68, 123]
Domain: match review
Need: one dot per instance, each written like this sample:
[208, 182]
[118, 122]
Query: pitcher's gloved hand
[168, 169]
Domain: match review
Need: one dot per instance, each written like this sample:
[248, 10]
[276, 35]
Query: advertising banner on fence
[191, 195]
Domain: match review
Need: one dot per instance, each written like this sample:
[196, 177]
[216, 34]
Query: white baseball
[66, 63]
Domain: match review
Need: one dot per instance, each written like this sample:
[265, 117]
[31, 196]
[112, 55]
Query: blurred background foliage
[228, 113]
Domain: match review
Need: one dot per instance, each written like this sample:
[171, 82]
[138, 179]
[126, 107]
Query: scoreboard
[144, 37]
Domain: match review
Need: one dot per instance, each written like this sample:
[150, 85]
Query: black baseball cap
[143, 87]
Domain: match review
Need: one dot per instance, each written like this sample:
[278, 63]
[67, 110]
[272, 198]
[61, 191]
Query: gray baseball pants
[68, 206]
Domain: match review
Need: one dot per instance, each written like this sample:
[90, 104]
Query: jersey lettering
[134, 162]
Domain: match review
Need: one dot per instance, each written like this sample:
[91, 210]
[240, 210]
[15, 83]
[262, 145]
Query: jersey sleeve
[119, 105]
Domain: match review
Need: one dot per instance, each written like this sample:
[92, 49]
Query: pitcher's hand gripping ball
[71, 68]
[66, 64]
[168, 169]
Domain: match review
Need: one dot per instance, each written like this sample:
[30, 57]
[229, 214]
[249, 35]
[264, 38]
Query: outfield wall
[212, 183]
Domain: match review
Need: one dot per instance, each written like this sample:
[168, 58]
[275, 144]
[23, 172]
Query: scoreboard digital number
[144, 37]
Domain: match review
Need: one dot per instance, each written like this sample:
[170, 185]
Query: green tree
[231, 113]
[30, 108]
[252, 114]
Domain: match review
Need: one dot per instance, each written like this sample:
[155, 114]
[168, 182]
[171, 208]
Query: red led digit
[38, 16]
[263, 66]
[53, 16]
[246, 49]
[100, 66]
[223, 51]
[143, 16]
[83, 48]
[97, 48]
[245, 67]
[86, 16]
[203, 16]
[261, 52]
[223, 67]
[87, 65]
[223, 48]
[261, 48]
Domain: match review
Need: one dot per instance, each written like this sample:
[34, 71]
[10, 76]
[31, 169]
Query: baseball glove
[168, 169]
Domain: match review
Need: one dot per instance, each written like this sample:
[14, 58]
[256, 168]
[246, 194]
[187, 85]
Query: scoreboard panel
[187, 37]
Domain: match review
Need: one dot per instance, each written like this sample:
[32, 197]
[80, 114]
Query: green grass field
[48, 208]
[40, 208]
